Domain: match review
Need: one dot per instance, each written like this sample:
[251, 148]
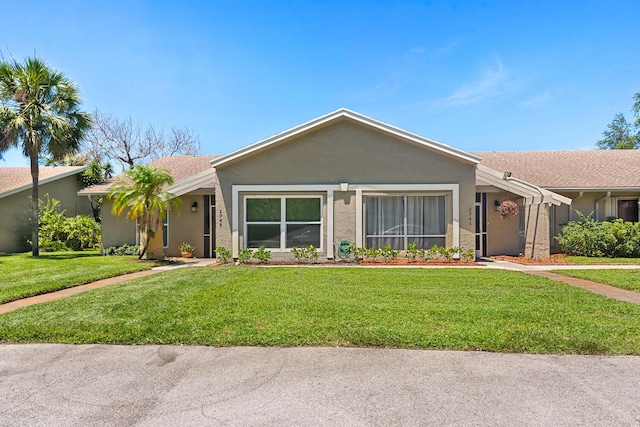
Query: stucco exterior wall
[503, 234]
[15, 209]
[346, 152]
[116, 231]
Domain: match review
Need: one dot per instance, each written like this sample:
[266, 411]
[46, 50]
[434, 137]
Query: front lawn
[625, 279]
[22, 275]
[466, 309]
[597, 260]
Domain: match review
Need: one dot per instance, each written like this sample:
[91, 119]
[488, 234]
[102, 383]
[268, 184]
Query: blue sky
[478, 75]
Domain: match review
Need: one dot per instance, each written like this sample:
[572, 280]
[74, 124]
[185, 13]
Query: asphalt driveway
[69, 385]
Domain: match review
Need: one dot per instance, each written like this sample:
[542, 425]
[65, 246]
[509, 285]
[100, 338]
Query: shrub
[588, 237]
[262, 255]
[244, 255]
[121, 250]
[222, 254]
[371, 253]
[59, 233]
[388, 253]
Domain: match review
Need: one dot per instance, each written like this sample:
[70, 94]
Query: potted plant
[186, 250]
[507, 209]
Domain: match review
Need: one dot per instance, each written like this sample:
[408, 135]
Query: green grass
[592, 260]
[470, 309]
[22, 275]
[625, 279]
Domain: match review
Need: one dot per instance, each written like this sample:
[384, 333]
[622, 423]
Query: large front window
[283, 222]
[400, 220]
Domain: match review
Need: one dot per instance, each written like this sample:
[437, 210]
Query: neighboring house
[346, 176]
[194, 182]
[60, 182]
[605, 183]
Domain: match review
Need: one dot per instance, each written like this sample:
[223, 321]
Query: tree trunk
[35, 172]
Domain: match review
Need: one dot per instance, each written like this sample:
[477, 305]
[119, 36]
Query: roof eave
[43, 181]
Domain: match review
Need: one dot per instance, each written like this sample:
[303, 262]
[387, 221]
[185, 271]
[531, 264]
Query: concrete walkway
[536, 270]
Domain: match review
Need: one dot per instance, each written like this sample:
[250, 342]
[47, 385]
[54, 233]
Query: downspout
[598, 201]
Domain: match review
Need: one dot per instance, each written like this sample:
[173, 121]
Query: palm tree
[142, 191]
[39, 111]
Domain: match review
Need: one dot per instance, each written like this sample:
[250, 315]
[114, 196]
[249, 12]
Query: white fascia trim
[42, 181]
[235, 203]
[361, 191]
[192, 183]
[594, 189]
[531, 193]
[343, 112]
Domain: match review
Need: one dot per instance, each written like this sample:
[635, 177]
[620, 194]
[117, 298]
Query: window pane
[385, 215]
[267, 235]
[378, 242]
[628, 210]
[303, 210]
[427, 242]
[303, 235]
[263, 210]
[426, 215]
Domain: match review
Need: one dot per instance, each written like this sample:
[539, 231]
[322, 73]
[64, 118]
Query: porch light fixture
[497, 205]
[344, 186]
[194, 207]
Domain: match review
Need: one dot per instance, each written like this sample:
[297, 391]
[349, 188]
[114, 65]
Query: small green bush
[244, 255]
[388, 253]
[59, 233]
[121, 250]
[611, 239]
[262, 255]
[223, 254]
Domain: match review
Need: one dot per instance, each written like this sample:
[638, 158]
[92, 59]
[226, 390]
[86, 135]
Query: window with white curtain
[400, 220]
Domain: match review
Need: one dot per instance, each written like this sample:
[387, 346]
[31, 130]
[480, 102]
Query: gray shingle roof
[575, 169]
[180, 167]
[13, 179]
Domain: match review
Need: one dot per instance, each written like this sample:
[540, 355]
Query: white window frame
[328, 190]
[283, 218]
[405, 237]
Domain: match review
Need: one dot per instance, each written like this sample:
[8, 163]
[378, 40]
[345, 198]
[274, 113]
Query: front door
[481, 224]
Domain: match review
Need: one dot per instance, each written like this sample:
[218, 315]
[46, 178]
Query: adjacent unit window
[165, 230]
[628, 209]
[400, 220]
[283, 222]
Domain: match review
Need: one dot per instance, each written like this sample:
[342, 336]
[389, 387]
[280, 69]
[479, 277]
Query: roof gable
[344, 114]
[16, 179]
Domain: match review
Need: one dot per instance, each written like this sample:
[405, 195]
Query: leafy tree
[128, 143]
[39, 110]
[96, 173]
[620, 134]
[141, 190]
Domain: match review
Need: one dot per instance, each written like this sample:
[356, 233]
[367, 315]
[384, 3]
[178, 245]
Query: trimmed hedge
[612, 239]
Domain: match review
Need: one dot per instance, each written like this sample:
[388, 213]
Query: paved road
[65, 385]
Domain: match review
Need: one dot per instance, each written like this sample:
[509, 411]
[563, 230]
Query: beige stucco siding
[346, 152]
[116, 231]
[15, 208]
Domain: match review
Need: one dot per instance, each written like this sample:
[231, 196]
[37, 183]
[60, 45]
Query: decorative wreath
[508, 208]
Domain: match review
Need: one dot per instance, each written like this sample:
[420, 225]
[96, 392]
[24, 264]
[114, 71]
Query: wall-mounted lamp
[194, 207]
[497, 205]
[344, 186]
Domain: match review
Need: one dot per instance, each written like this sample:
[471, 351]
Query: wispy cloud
[537, 101]
[418, 50]
[493, 83]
